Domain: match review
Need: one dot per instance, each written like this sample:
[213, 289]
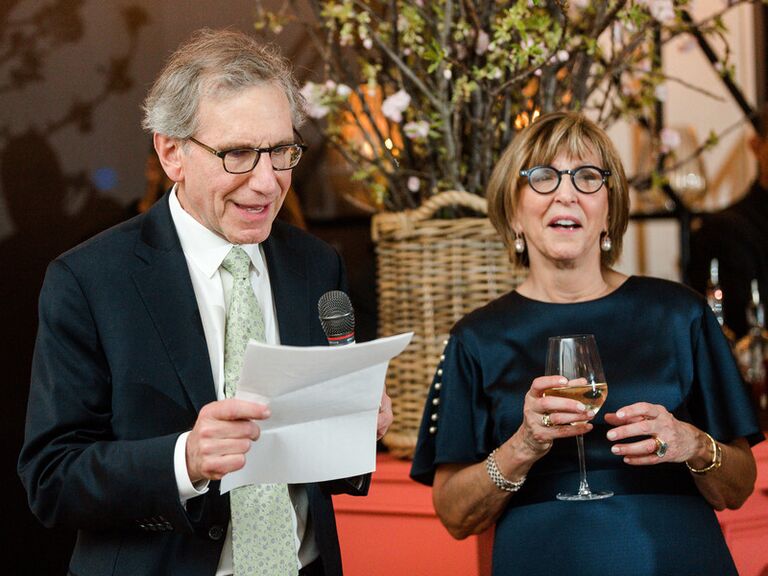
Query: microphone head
[336, 315]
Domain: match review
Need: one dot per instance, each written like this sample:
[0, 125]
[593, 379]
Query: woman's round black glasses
[546, 179]
[242, 160]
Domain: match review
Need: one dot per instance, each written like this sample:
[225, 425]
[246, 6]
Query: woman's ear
[171, 156]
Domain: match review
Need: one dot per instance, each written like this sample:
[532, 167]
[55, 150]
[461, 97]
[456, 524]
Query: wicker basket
[431, 272]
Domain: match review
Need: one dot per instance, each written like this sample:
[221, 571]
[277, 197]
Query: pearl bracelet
[498, 478]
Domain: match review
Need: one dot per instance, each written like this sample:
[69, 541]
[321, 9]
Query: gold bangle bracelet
[717, 458]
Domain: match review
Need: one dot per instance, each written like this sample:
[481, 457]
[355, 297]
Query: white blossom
[368, 43]
[313, 95]
[562, 55]
[394, 105]
[670, 139]
[662, 11]
[660, 92]
[343, 90]
[416, 130]
[414, 184]
[447, 73]
[482, 43]
[617, 30]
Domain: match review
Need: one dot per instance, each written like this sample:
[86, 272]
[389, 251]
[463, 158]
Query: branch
[395, 59]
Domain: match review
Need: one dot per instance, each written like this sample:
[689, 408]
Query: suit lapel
[167, 292]
[290, 289]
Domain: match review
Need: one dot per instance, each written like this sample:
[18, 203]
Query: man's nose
[263, 177]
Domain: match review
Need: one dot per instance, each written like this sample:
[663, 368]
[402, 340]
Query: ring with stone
[661, 447]
[546, 420]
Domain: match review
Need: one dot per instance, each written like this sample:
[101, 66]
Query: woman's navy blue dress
[659, 343]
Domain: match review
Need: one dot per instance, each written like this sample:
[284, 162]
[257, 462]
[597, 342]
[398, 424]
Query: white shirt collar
[203, 247]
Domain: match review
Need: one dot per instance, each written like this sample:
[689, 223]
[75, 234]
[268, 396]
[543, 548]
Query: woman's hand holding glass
[547, 418]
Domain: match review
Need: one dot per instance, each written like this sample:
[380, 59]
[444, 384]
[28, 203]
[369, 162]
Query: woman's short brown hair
[539, 144]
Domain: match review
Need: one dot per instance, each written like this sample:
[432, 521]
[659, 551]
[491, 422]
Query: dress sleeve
[720, 403]
[456, 425]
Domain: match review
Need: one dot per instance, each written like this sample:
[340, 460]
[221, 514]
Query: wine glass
[576, 358]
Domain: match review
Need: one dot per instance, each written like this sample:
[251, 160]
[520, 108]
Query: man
[738, 237]
[130, 422]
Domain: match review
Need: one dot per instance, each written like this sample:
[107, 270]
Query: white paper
[324, 402]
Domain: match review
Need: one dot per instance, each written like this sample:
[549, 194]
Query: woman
[673, 440]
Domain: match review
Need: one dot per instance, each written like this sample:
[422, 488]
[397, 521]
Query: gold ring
[546, 420]
[661, 447]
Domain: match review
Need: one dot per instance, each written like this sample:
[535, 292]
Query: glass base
[584, 496]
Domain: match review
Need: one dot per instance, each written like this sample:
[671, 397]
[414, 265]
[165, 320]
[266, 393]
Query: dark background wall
[73, 74]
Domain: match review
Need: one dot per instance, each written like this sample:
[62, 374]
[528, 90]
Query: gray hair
[213, 62]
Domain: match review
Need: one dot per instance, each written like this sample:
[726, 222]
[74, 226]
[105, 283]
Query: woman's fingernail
[611, 435]
[620, 414]
[563, 381]
[591, 413]
[582, 407]
[615, 449]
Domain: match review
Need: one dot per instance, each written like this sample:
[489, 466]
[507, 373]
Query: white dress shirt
[204, 252]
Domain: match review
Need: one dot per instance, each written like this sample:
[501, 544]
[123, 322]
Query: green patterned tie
[263, 539]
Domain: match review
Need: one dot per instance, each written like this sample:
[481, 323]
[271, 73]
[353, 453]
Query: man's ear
[171, 156]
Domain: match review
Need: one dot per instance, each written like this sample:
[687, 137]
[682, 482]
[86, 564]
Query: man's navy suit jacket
[121, 368]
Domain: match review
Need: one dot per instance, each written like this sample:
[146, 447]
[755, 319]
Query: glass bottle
[752, 353]
[715, 298]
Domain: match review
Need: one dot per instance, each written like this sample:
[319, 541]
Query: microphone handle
[341, 340]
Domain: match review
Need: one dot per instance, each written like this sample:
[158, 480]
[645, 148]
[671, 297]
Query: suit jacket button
[216, 532]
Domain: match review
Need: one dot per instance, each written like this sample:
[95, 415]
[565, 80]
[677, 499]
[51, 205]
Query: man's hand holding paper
[325, 410]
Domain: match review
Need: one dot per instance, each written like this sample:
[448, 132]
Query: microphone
[337, 318]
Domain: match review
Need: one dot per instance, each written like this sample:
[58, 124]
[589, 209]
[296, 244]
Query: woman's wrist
[498, 478]
[708, 457]
[519, 453]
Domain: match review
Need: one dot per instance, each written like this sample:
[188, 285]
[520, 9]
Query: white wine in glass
[576, 358]
[591, 395]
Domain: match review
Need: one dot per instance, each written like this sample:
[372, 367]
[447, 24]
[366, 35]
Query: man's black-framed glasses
[546, 179]
[243, 160]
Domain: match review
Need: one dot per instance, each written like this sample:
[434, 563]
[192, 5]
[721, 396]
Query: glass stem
[583, 486]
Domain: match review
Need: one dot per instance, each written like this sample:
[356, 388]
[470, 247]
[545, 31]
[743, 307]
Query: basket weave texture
[431, 272]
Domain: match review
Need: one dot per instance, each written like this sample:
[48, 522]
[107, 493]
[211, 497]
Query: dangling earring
[605, 243]
[519, 243]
